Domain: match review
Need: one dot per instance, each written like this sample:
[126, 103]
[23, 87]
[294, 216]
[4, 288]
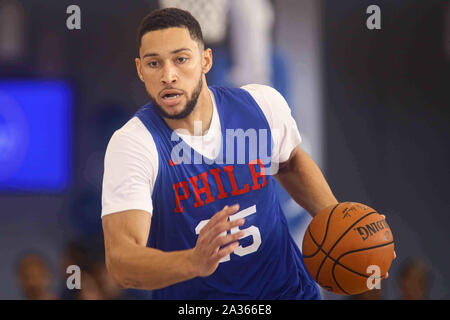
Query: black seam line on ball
[325, 235]
[340, 238]
[336, 262]
[333, 265]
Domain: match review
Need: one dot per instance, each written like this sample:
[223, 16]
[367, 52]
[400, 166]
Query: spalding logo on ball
[343, 242]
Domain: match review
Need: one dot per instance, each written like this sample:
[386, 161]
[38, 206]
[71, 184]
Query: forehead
[167, 40]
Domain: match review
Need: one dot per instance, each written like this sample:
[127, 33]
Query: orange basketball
[344, 245]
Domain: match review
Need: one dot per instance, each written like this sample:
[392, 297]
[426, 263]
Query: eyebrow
[153, 54]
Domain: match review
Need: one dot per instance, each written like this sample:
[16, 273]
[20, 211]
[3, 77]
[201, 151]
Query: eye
[153, 64]
[181, 59]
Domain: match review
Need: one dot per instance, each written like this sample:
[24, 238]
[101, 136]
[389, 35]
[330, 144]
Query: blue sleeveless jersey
[188, 192]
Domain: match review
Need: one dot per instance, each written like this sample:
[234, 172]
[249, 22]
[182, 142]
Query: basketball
[348, 248]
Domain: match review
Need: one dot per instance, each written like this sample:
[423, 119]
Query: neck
[202, 114]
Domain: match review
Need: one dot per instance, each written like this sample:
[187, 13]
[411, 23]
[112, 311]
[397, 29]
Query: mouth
[171, 97]
[170, 94]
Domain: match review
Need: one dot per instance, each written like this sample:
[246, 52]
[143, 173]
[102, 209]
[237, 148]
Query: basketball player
[205, 229]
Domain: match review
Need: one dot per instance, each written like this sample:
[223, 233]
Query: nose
[169, 74]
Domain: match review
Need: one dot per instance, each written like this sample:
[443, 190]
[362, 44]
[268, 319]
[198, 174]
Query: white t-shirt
[131, 159]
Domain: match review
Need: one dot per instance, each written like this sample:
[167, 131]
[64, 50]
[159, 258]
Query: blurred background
[371, 105]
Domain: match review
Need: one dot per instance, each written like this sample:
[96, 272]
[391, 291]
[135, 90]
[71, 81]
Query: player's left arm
[303, 180]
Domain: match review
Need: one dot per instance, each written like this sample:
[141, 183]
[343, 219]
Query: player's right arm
[131, 163]
[133, 265]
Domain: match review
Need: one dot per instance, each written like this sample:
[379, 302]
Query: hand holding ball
[346, 246]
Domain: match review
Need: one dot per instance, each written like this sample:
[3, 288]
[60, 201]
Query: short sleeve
[130, 169]
[278, 114]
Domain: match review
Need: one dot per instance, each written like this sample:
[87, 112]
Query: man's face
[172, 66]
[33, 275]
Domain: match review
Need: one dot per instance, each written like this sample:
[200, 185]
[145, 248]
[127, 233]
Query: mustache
[170, 88]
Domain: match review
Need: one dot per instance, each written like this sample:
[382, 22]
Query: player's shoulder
[268, 98]
[133, 129]
[262, 90]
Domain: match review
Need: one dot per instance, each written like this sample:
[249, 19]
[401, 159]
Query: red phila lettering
[235, 191]
[256, 175]
[198, 191]
[222, 194]
[176, 186]
[182, 188]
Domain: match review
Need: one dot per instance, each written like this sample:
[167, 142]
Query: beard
[188, 108]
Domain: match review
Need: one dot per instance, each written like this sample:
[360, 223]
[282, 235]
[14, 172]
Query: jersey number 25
[250, 231]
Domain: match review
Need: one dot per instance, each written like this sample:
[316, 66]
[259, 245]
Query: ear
[138, 69]
[207, 60]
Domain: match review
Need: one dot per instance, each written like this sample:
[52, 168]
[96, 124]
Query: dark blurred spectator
[74, 254]
[13, 40]
[414, 279]
[96, 282]
[109, 287]
[12, 31]
[90, 290]
[34, 277]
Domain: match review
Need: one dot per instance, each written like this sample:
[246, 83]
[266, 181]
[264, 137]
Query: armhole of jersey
[158, 159]
[261, 92]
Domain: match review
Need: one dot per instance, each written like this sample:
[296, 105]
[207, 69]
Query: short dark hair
[170, 18]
